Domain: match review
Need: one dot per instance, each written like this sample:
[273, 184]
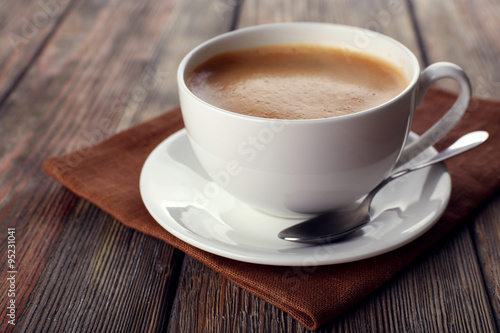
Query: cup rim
[263, 27]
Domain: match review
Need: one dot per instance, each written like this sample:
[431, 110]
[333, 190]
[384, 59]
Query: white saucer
[175, 189]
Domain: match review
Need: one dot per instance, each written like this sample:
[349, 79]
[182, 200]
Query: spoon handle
[465, 143]
[460, 146]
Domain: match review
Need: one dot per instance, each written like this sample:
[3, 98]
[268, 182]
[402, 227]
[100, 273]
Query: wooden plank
[222, 306]
[102, 276]
[389, 17]
[467, 35]
[441, 292]
[476, 49]
[486, 231]
[25, 28]
[94, 78]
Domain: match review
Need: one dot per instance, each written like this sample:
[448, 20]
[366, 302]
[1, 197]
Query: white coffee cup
[293, 168]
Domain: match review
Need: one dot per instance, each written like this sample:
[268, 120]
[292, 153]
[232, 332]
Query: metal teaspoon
[334, 225]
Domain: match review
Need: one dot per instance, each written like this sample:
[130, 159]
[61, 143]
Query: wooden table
[73, 73]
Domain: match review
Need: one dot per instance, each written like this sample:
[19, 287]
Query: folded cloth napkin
[108, 175]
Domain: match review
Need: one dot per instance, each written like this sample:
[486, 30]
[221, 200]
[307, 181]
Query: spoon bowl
[337, 224]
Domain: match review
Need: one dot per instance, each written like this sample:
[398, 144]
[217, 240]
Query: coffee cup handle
[437, 131]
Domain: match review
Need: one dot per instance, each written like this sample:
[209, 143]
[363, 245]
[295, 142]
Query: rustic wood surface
[73, 72]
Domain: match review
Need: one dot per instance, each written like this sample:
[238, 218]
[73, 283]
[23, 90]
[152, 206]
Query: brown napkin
[108, 175]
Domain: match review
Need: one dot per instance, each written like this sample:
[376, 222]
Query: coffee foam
[295, 82]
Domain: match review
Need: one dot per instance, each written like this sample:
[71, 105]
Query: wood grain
[389, 17]
[477, 51]
[93, 79]
[53, 101]
[103, 287]
[25, 28]
[223, 307]
[441, 292]
[486, 231]
[466, 35]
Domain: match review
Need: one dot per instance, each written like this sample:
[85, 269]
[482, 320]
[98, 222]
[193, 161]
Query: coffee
[296, 81]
